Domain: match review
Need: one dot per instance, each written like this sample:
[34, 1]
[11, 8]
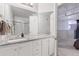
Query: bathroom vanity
[39, 46]
[38, 27]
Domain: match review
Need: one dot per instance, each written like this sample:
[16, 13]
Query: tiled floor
[65, 48]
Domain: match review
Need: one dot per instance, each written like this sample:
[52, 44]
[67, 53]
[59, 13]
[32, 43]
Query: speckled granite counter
[27, 38]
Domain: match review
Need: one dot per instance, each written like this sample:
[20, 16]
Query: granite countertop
[27, 38]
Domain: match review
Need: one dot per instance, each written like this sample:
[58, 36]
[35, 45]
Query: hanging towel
[4, 27]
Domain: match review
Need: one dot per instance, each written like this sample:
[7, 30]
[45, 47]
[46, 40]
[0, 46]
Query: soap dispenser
[22, 34]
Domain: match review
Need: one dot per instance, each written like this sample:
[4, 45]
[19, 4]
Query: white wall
[35, 6]
[63, 25]
[64, 16]
[45, 7]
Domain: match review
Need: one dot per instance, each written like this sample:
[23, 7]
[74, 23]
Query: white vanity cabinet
[9, 50]
[19, 49]
[32, 48]
[24, 49]
[36, 48]
[51, 46]
[45, 47]
[48, 47]
[39, 47]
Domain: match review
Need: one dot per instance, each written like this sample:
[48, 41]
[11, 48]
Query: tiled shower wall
[66, 30]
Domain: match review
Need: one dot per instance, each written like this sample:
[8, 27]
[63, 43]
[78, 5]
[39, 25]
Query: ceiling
[21, 12]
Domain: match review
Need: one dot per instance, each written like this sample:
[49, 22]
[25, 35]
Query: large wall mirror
[16, 18]
[19, 20]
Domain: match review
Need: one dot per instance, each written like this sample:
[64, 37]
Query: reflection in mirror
[19, 21]
[44, 24]
[21, 25]
[4, 26]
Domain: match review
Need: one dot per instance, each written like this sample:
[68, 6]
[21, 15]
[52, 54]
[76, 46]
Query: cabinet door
[8, 50]
[51, 46]
[45, 47]
[25, 49]
[36, 48]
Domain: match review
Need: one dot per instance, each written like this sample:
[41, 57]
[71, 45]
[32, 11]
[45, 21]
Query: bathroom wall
[45, 7]
[66, 24]
[66, 29]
